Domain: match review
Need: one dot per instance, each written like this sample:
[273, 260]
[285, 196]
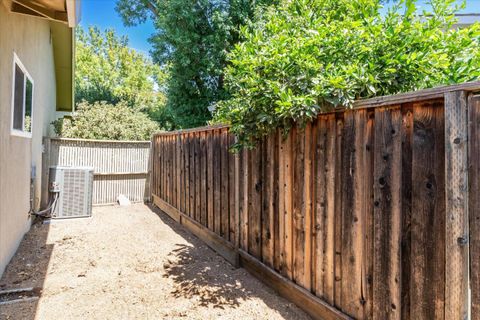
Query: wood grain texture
[387, 214]
[174, 171]
[288, 202]
[210, 178]
[474, 203]
[171, 175]
[331, 170]
[299, 207]
[198, 179]
[280, 244]
[307, 207]
[319, 170]
[175, 177]
[348, 284]
[158, 166]
[255, 203]
[171, 170]
[245, 173]
[407, 136]
[162, 167]
[350, 208]
[272, 180]
[191, 212]
[165, 170]
[456, 203]
[168, 171]
[354, 215]
[232, 201]
[237, 194]
[338, 211]
[427, 283]
[268, 176]
[274, 203]
[153, 169]
[181, 159]
[368, 231]
[225, 217]
[203, 180]
[217, 183]
[162, 164]
[186, 150]
[191, 159]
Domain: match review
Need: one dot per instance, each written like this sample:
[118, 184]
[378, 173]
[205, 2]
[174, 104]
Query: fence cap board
[147, 142]
[394, 99]
[419, 95]
[198, 129]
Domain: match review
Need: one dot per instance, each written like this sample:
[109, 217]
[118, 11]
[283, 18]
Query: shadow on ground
[27, 269]
[200, 273]
[199, 284]
[196, 277]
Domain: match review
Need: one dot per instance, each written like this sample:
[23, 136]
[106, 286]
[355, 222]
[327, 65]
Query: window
[22, 100]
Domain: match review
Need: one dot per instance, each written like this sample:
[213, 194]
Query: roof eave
[73, 12]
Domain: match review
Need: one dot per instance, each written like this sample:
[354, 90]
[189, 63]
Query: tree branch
[151, 6]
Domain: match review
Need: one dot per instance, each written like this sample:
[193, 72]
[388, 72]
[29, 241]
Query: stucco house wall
[30, 39]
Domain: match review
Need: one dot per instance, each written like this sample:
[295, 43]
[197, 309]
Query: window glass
[18, 99]
[22, 107]
[27, 122]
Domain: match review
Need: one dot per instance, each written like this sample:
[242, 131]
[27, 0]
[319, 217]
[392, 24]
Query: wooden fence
[121, 167]
[370, 213]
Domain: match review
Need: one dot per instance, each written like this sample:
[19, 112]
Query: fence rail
[370, 213]
[121, 167]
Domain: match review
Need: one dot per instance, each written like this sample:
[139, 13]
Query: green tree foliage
[108, 70]
[305, 56]
[193, 38]
[106, 122]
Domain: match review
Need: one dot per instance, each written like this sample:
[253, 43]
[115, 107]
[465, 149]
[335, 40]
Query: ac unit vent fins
[75, 197]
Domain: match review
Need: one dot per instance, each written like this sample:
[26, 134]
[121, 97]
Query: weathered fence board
[407, 136]
[121, 167]
[367, 210]
[387, 213]
[428, 204]
[474, 203]
[456, 176]
[337, 289]
[288, 200]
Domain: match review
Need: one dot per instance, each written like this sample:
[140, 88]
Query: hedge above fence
[305, 55]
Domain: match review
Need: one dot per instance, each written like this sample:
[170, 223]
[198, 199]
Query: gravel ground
[132, 263]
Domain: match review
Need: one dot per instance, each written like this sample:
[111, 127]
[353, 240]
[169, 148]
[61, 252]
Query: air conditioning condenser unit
[73, 187]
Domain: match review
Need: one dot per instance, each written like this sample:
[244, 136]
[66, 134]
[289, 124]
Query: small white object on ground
[123, 200]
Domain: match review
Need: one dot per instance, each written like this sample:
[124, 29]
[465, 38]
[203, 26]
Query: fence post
[456, 186]
[150, 176]
[237, 204]
[474, 202]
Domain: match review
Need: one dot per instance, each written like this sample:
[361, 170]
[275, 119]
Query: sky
[102, 14]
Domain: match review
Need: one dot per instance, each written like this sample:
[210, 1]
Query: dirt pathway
[132, 263]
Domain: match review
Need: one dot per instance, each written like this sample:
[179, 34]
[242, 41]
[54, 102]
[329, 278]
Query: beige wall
[30, 39]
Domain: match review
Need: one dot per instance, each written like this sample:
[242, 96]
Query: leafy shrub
[192, 37]
[106, 122]
[107, 69]
[305, 56]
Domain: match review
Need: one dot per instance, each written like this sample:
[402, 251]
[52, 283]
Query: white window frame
[13, 131]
